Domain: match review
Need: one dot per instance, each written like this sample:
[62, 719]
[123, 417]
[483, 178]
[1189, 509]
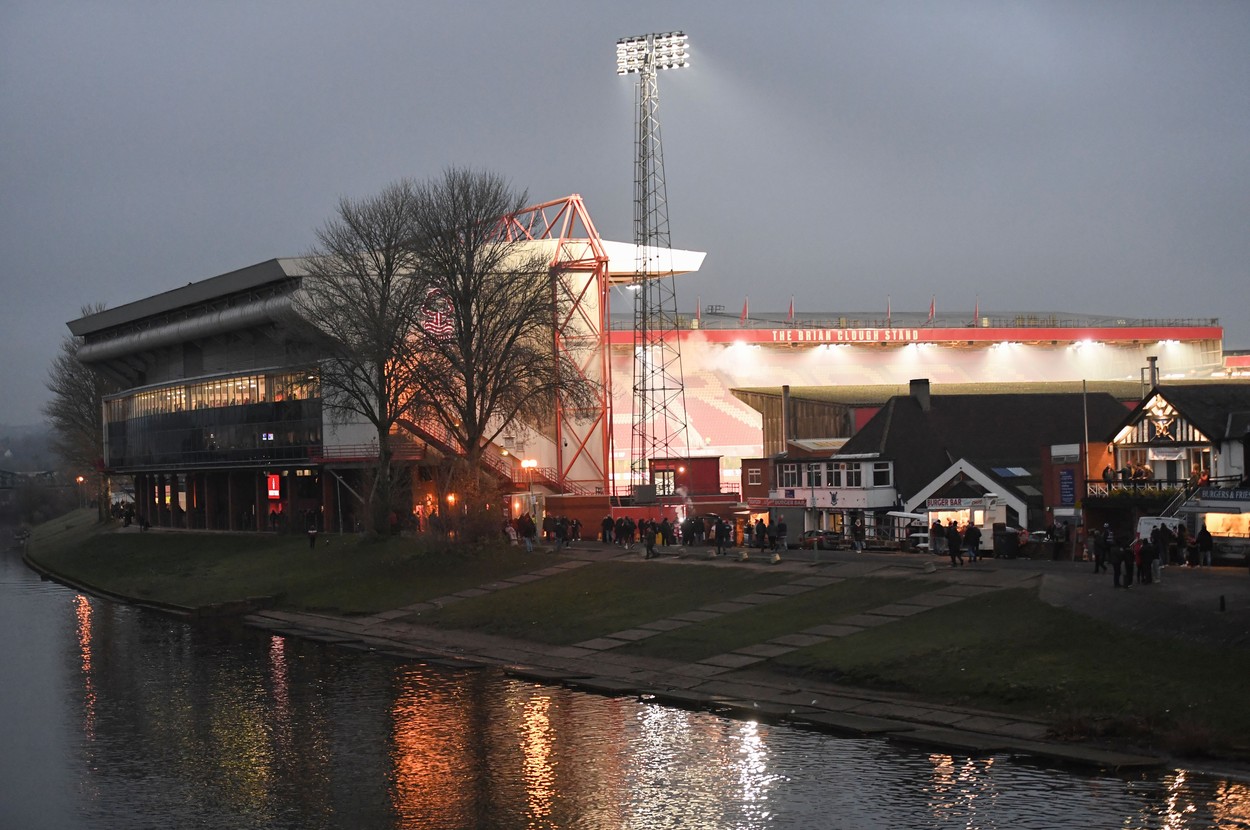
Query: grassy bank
[342, 574]
[1005, 651]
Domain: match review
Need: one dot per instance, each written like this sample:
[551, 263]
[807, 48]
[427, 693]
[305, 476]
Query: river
[112, 717]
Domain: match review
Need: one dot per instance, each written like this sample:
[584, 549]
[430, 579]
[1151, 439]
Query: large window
[853, 474]
[223, 421]
[881, 473]
[789, 475]
[814, 477]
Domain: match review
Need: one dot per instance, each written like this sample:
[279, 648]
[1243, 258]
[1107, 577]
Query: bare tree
[488, 331]
[360, 298]
[76, 411]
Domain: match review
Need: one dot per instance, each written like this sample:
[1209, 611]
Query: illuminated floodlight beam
[662, 51]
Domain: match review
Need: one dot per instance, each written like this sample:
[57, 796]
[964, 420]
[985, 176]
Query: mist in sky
[1047, 156]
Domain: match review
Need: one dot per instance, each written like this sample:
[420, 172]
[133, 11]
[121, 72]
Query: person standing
[1102, 544]
[937, 537]
[781, 534]
[1205, 546]
[953, 542]
[972, 541]
[858, 536]
[1118, 559]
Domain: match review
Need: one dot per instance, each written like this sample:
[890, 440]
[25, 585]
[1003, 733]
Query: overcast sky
[1073, 156]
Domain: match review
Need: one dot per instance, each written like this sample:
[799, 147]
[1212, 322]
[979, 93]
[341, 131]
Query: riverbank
[987, 658]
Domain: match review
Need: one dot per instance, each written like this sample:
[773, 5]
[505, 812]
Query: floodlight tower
[659, 401]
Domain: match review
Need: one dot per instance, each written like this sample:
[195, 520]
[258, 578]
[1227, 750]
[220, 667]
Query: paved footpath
[737, 683]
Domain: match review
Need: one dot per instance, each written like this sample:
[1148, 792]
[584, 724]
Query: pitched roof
[1219, 410]
[1008, 430]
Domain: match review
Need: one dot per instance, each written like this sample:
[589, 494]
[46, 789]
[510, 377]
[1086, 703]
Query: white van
[1147, 524]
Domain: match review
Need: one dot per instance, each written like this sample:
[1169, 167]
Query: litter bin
[1006, 542]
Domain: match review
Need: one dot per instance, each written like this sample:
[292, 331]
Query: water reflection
[124, 719]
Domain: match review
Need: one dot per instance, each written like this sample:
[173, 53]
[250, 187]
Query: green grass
[775, 619]
[1012, 652]
[598, 599]
[342, 574]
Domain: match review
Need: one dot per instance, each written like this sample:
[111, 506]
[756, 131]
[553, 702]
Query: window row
[242, 390]
[835, 474]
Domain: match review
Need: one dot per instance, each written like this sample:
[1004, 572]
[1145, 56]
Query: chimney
[1154, 371]
[919, 389]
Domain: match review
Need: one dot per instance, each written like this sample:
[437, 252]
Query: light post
[82, 502]
[659, 402]
[528, 465]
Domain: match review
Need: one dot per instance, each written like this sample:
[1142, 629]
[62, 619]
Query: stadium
[219, 419]
[733, 363]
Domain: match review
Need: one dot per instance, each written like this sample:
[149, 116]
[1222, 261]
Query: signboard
[1220, 494]
[1067, 487]
[758, 502]
[274, 485]
[953, 504]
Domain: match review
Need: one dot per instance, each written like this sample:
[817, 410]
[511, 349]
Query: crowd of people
[624, 531]
[1142, 560]
[952, 540]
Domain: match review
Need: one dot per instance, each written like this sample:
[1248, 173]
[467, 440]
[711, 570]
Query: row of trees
[425, 311]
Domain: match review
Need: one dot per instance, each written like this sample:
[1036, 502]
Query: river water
[111, 717]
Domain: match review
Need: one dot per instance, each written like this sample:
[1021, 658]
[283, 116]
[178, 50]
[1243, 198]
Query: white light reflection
[725, 770]
[538, 765]
[955, 787]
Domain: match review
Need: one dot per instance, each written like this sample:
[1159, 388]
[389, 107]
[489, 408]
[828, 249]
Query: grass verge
[343, 575]
[598, 599]
[775, 619]
[1011, 652]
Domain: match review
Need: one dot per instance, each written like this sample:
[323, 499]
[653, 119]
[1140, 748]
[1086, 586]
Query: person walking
[972, 541]
[648, 536]
[781, 534]
[937, 537]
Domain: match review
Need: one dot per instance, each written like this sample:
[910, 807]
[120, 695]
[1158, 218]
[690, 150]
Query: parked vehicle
[820, 540]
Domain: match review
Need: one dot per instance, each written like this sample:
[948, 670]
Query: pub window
[790, 475]
[854, 475]
[881, 474]
[835, 475]
[814, 475]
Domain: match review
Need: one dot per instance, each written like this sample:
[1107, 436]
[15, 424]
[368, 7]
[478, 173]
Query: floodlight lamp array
[666, 51]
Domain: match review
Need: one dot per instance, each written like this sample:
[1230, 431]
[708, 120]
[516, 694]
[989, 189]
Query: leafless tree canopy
[360, 297]
[360, 300]
[76, 410]
[488, 334]
[426, 312]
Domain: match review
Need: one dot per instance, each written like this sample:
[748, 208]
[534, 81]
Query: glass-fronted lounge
[257, 418]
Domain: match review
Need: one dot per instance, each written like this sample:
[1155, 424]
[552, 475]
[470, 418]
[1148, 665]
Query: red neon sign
[275, 487]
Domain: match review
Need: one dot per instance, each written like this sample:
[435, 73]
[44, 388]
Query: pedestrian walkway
[735, 683]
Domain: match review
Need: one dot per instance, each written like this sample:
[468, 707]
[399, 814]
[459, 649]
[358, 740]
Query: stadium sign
[890, 335]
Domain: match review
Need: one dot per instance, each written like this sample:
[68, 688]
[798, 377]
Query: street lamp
[82, 502]
[528, 465]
